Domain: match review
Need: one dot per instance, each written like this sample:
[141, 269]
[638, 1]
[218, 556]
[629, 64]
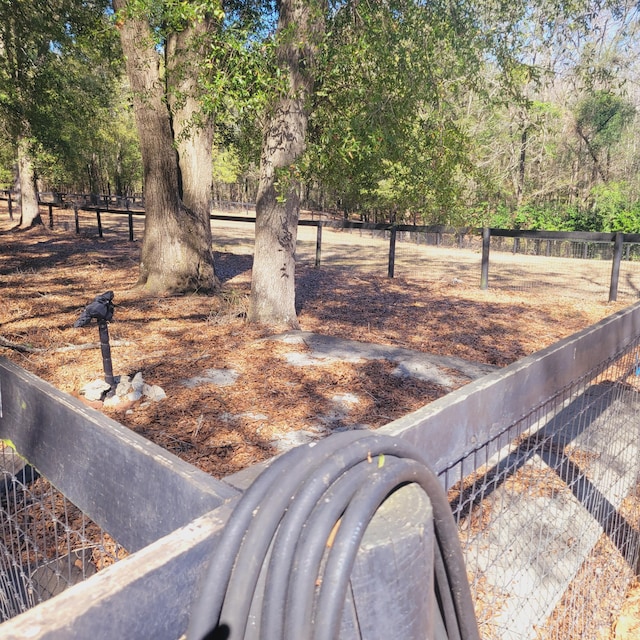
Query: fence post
[130, 222]
[75, 215]
[50, 216]
[392, 251]
[99, 223]
[484, 269]
[615, 269]
[318, 242]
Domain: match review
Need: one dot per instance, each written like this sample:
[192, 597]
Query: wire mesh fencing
[572, 268]
[47, 543]
[550, 524]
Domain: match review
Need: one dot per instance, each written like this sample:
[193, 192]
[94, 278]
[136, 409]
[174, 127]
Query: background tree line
[465, 112]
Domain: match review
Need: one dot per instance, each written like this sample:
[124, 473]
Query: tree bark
[300, 26]
[28, 193]
[193, 130]
[522, 164]
[594, 156]
[176, 250]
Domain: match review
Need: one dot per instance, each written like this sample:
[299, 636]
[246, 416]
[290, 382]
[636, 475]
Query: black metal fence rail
[620, 251]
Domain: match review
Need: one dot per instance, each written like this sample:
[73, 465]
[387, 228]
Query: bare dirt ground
[48, 276]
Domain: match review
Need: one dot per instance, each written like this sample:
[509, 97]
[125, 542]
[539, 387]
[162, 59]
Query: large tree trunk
[27, 190]
[176, 250]
[193, 130]
[300, 25]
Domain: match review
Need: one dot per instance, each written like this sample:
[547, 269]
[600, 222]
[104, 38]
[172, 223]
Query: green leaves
[57, 64]
[383, 131]
[602, 116]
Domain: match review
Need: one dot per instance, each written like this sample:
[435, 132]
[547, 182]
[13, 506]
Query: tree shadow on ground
[415, 315]
[230, 265]
[35, 250]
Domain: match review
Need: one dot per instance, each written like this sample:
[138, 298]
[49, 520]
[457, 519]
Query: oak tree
[162, 46]
[299, 33]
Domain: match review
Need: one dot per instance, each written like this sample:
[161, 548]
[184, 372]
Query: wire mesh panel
[629, 278]
[550, 524]
[570, 268]
[364, 249]
[47, 543]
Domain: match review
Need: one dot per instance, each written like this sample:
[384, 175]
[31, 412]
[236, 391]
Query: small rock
[95, 390]
[134, 395]
[112, 402]
[154, 392]
[138, 383]
[124, 387]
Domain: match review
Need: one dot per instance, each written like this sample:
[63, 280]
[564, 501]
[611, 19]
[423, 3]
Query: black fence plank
[449, 428]
[615, 267]
[133, 489]
[484, 269]
[588, 236]
[392, 252]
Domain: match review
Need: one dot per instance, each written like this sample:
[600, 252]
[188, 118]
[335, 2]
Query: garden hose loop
[272, 563]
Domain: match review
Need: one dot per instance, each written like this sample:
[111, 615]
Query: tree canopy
[465, 112]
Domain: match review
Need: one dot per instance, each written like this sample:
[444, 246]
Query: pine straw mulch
[47, 278]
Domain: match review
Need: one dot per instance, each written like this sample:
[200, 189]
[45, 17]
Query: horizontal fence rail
[541, 462]
[600, 264]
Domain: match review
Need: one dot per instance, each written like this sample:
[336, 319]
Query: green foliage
[57, 67]
[226, 165]
[384, 134]
[7, 160]
[602, 117]
[419, 111]
[582, 219]
[614, 208]
[168, 16]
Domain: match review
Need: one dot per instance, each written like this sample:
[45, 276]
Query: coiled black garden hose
[277, 536]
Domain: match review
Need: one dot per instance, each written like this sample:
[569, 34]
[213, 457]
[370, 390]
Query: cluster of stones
[128, 390]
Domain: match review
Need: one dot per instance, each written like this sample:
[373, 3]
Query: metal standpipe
[105, 347]
[102, 310]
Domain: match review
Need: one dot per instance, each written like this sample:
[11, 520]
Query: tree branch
[18, 347]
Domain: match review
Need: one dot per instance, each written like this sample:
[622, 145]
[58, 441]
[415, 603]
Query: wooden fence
[624, 246]
[171, 516]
